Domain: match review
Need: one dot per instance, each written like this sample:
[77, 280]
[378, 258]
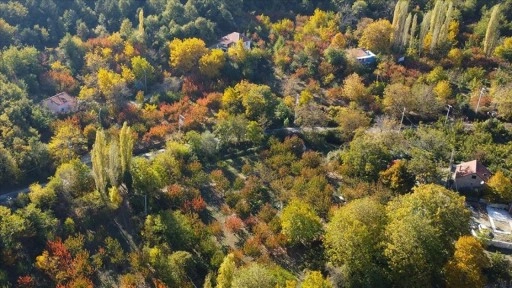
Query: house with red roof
[61, 103]
[231, 40]
[470, 176]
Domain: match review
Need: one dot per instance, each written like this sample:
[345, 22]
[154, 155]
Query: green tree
[439, 24]
[9, 170]
[255, 133]
[300, 223]
[73, 178]
[231, 130]
[259, 276]
[365, 157]
[499, 271]
[414, 248]
[420, 234]
[143, 71]
[146, 179]
[502, 98]
[22, 64]
[354, 238]
[253, 100]
[42, 197]
[13, 228]
[114, 251]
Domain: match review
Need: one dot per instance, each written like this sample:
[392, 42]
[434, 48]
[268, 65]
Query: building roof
[233, 38]
[360, 53]
[472, 167]
[59, 99]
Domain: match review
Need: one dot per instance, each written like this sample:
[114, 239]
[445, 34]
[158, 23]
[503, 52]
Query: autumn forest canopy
[141, 146]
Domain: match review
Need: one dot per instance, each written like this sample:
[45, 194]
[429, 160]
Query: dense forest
[286, 162]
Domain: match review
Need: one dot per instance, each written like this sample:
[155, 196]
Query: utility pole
[401, 120]
[99, 117]
[146, 204]
[479, 98]
[145, 82]
[181, 121]
[450, 167]
[448, 113]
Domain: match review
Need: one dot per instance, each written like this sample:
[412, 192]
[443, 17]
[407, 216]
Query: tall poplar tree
[425, 26]
[226, 271]
[399, 22]
[114, 163]
[414, 26]
[99, 161]
[491, 34]
[405, 33]
[125, 147]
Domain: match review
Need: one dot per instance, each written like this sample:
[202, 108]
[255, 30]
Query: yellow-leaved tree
[211, 63]
[354, 89]
[300, 223]
[314, 279]
[465, 268]
[377, 36]
[500, 188]
[185, 54]
[114, 87]
[443, 90]
[226, 271]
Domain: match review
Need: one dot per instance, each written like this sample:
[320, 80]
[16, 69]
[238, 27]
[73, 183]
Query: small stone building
[231, 39]
[364, 56]
[470, 176]
[61, 103]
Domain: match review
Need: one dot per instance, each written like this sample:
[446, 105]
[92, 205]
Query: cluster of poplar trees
[437, 28]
